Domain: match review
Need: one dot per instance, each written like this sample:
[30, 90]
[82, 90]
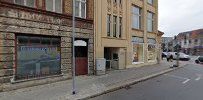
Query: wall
[15, 19]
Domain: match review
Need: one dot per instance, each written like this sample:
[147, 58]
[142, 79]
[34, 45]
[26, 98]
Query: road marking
[198, 78]
[186, 81]
[179, 77]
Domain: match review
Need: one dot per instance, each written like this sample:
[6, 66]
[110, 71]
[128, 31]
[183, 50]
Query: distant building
[167, 44]
[191, 42]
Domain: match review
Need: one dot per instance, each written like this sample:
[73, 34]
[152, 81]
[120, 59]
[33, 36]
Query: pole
[73, 48]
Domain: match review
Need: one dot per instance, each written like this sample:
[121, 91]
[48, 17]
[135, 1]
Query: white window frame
[80, 8]
[25, 3]
[139, 17]
[134, 63]
[54, 6]
[152, 20]
[150, 2]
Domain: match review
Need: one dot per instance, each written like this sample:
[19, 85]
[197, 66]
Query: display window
[37, 57]
[138, 50]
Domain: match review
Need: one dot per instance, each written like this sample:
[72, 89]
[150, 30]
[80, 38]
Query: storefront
[37, 56]
[151, 50]
[138, 50]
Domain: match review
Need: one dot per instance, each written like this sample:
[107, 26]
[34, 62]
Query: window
[150, 2]
[54, 5]
[150, 22]
[108, 25]
[37, 56]
[29, 3]
[136, 17]
[114, 26]
[120, 1]
[80, 8]
[138, 50]
[114, 1]
[120, 27]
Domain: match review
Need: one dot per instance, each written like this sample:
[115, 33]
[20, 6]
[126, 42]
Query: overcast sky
[177, 16]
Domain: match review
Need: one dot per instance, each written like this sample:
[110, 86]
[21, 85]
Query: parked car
[199, 60]
[164, 54]
[182, 56]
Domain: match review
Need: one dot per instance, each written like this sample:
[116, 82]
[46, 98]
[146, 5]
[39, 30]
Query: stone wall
[16, 20]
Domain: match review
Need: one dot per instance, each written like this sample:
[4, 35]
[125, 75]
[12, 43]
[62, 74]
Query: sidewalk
[88, 86]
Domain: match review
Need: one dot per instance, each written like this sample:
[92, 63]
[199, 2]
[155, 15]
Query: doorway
[81, 57]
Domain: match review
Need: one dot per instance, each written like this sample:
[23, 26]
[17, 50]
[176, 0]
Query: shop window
[151, 52]
[37, 56]
[138, 50]
[138, 53]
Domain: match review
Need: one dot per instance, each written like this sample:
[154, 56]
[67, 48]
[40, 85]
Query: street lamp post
[73, 48]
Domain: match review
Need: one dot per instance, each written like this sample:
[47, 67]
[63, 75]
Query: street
[183, 84]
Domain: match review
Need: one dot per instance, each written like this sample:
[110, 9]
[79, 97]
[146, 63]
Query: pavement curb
[129, 83]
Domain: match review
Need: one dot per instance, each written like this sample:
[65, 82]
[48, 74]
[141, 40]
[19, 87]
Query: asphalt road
[182, 84]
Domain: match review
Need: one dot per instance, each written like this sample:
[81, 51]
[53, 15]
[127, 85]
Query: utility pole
[73, 48]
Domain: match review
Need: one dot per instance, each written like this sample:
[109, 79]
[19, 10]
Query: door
[81, 60]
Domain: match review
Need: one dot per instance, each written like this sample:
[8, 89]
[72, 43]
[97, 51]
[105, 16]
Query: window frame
[138, 15]
[151, 20]
[109, 25]
[115, 23]
[120, 27]
[54, 6]
[80, 8]
[151, 3]
[25, 3]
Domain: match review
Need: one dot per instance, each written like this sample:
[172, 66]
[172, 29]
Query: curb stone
[129, 83]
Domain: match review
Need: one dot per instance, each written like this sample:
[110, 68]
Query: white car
[182, 56]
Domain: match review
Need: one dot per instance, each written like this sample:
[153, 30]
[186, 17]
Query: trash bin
[100, 66]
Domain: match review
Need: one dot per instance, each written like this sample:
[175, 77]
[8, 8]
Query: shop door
[81, 60]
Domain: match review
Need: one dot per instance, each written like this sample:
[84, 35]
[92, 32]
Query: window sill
[14, 81]
[136, 63]
[137, 29]
[108, 37]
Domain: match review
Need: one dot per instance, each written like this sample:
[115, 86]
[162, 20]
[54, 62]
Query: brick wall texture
[16, 20]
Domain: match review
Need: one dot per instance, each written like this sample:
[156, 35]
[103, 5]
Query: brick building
[191, 42]
[35, 41]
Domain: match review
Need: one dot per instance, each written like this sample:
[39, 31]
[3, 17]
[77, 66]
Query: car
[199, 60]
[164, 54]
[182, 56]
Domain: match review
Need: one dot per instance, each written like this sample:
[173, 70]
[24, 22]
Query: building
[191, 42]
[36, 44]
[167, 44]
[126, 32]
[159, 40]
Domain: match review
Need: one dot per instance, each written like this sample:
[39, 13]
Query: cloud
[180, 15]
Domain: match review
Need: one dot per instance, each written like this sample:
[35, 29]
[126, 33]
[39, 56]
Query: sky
[177, 16]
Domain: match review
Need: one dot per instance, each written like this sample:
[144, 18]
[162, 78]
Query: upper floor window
[108, 25]
[29, 3]
[150, 1]
[120, 26]
[54, 5]
[114, 1]
[80, 8]
[114, 26]
[136, 17]
[150, 22]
